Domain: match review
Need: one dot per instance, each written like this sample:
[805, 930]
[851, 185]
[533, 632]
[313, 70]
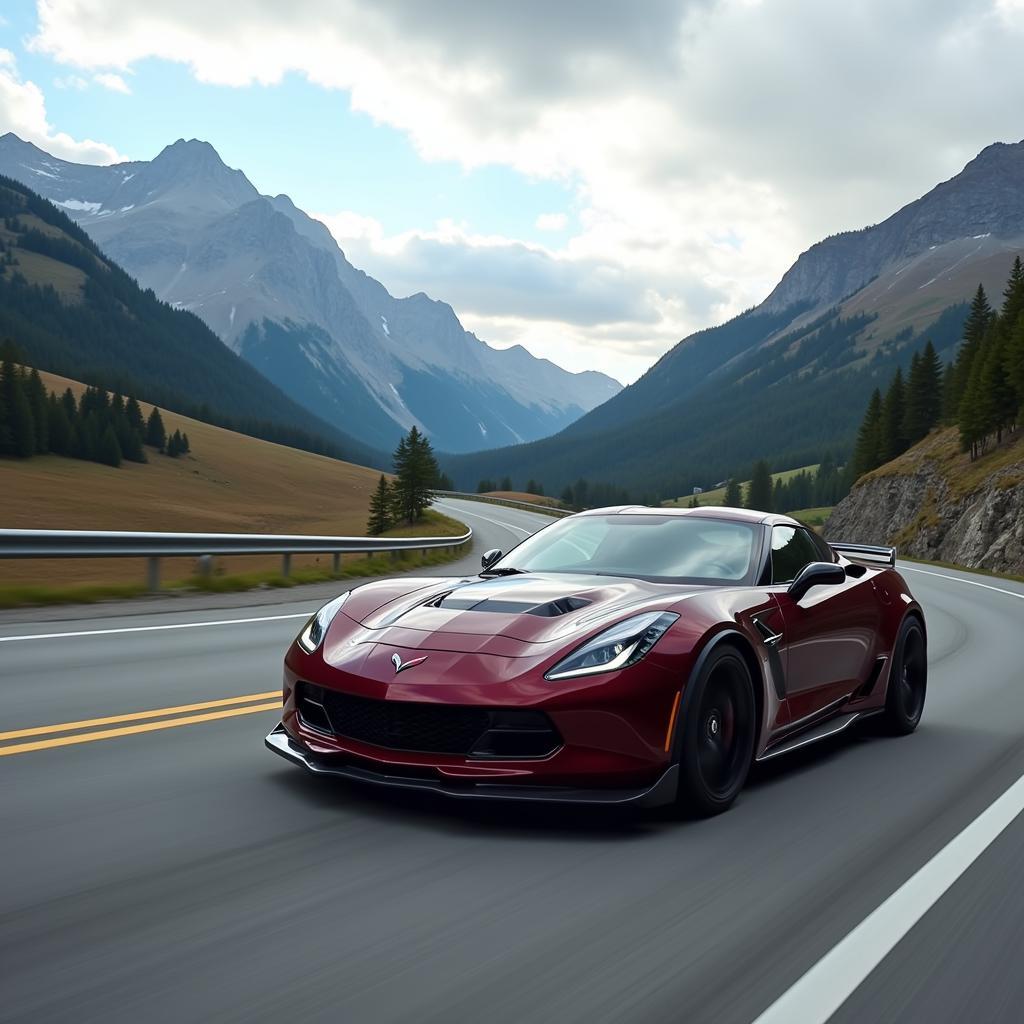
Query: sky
[592, 179]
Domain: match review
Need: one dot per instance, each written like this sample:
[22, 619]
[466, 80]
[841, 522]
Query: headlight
[314, 631]
[620, 646]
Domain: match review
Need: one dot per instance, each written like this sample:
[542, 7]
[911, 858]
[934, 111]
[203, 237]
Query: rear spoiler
[873, 553]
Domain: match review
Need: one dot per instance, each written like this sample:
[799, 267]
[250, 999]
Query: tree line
[405, 498]
[980, 390]
[97, 427]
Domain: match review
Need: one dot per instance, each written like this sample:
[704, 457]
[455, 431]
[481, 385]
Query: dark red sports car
[621, 655]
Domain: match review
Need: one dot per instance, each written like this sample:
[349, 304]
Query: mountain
[275, 286]
[788, 380]
[71, 310]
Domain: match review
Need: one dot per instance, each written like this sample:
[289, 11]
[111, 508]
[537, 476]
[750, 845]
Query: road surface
[182, 872]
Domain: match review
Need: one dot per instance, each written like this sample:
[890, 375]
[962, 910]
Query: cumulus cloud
[115, 83]
[708, 141]
[23, 111]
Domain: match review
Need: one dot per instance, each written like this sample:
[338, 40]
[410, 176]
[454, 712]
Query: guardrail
[154, 546]
[529, 506]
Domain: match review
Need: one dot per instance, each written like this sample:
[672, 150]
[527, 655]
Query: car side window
[825, 553]
[792, 549]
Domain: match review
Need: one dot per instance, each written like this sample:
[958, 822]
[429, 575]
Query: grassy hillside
[717, 496]
[231, 483]
[72, 311]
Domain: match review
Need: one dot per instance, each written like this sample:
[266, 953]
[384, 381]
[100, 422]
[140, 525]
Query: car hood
[534, 608]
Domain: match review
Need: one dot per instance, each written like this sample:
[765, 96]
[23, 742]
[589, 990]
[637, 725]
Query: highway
[169, 868]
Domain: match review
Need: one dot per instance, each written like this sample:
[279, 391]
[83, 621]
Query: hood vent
[503, 606]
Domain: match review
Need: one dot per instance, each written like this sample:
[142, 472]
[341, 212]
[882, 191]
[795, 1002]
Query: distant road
[184, 873]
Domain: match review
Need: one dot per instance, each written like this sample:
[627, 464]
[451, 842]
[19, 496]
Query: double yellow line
[92, 729]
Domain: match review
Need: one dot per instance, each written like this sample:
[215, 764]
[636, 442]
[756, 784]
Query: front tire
[908, 680]
[717, 734]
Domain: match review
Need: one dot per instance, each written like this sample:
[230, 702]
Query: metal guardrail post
[336, 566]
[153, 573]
[286, 565]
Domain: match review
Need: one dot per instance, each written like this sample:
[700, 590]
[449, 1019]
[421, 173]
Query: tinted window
[792, 549]
[825, 553]
[644, 545]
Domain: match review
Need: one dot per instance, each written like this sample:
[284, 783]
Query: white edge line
[147, 629]
[827, 985]
[960, 579]
[487, 519]
[816, 996]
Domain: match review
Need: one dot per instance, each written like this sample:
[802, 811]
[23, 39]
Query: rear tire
[717, 733]
[908, 680]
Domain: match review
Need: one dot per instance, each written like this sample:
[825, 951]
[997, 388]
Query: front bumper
[662, 792]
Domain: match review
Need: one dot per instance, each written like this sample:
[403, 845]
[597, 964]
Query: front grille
[428, 728]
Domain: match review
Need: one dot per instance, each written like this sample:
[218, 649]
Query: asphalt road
[186, 874]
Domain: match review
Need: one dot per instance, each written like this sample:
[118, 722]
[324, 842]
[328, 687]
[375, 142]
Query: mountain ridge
[787, 380]
[201, 235]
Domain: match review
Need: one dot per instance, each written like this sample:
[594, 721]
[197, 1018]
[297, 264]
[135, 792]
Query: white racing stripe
[150, 629]
[815, 997]
[487, 519]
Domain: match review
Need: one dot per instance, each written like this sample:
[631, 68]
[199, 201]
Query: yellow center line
[46, 730]
[109, 734]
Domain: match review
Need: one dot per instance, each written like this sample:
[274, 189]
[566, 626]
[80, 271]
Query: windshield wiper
[505, 570]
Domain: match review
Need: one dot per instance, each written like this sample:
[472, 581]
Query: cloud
[115, 83]
[76, 82]
[552, 222]
[708, 141]
[23, 111]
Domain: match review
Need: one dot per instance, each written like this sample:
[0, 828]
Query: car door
[828, 635]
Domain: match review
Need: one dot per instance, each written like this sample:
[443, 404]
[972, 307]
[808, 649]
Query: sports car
[621, 655]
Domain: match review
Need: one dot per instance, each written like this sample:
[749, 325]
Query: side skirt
[821, 731]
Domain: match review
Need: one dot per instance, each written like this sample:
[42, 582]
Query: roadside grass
[221, 581]
[816, 517]
[231, 483]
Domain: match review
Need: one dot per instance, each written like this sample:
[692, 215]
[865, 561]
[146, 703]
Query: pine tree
[972, 417]
[975, 327]
[780, 495]
[733, 498]
[866, 451]
[156, 436]
[923, 394]
[135, 419]
[999, 404]
[185, 446]
[109, 451]
[694, 503]
[1013, 297]
[174, 448]
[892, 435]
[380, 508]
[36, 394]
[416, 470]
[485, 486]
[506, 483]
[70, 405]
[1015, 364]
[58, 426]
[759, 493]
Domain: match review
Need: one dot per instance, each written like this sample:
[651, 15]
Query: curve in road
[182, 873]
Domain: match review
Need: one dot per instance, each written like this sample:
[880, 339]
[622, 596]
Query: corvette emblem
[401, 666]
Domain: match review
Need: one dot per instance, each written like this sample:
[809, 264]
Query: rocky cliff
[933, 502]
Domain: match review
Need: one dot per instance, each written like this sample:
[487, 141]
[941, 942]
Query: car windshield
[657, 547]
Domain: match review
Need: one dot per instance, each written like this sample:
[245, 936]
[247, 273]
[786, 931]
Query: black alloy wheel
[718, 732]
[908, 680]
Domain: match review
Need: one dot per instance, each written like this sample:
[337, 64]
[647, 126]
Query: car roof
[720, 512]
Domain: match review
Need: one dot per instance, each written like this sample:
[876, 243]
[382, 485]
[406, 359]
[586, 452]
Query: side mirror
[490, 557]
[816, 574]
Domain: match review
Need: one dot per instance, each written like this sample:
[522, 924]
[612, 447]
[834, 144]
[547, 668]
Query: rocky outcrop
[925, 506]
